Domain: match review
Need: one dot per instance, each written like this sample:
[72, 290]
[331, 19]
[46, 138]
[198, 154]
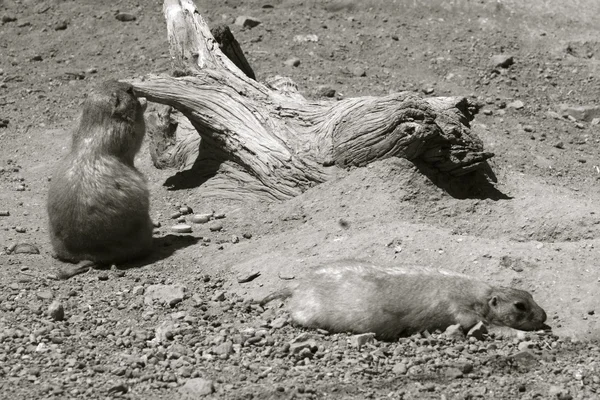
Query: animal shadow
[164, 247]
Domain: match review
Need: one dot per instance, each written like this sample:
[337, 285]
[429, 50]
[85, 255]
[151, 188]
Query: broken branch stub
[247, 138]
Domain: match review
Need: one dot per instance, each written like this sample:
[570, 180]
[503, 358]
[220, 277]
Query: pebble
[45, 295]
[400, 369]
[181, 228]
[219, 296]
[501, 61]
[453, 373]
[235, 239]
[25, 248]
[56, 311]
[185, 210]
[201, 218]
[4, 213]
[306, 38]
[125, 17]
[215, 226]
[164, 294]
[197, 387]
[279, 323]
[581, 113]
[20, 229]
[358, 341]
[247, 22]
[224, 348]
[325, 91]
[60, 26]
[247, 235]
[292, 62]
[517, 104]
[248, 277]
[455, 332]
[359, 72]
[478, 331]
[8, 18]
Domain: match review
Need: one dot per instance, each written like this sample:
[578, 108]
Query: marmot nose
[543, 316]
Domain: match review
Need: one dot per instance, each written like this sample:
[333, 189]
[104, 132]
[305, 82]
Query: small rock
[428, 90]
[215, 226]
[20, 229]
[455, 332]
[219, 296]
[279, 323]
[292, 62]
[164, 332]
[118, 388]
[325, 91]
[400, 369]
[8, 18]
[60, 26]
[164, 294]
[358, 341]
[525, 358]
[219, 216]
[24, 248]
[528, 128]
[581, 113]
[197, 387]
[138, 290]
[125, 17]
[525, 345]
[478, 331]
[595, 121]
[559, 393]
[453, 373]
[44, 295]
[4, 213]
[224, 348]
[502, 61]
[201, 218]
[487, 111]
[306, 38]
[185, 210]
[181, 228]
[517, 104]
[175, 215]
[298, 347]
[235, 239]
[359, 72]
[559, 145]
[247, 235]
[247, 22]
[56, 311]
[248, 277]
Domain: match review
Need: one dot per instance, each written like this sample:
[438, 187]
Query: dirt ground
[543, 235]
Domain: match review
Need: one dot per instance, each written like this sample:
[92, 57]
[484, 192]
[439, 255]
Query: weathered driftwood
[237, 136]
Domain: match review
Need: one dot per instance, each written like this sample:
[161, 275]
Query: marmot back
[98, 202]
[352, 296]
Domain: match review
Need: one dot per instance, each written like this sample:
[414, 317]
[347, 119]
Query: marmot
[98, 202]
[352, 296]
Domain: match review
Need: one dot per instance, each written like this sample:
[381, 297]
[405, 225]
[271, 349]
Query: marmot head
[516, 309]
[112, 121]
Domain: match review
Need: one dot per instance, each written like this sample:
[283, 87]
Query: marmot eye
[520, 306]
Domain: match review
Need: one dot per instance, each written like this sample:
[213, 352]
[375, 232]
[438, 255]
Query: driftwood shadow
[478, 184]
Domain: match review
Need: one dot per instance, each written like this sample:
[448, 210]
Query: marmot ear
[493, 301]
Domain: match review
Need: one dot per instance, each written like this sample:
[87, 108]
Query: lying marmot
[352, 296]
[98, 202]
